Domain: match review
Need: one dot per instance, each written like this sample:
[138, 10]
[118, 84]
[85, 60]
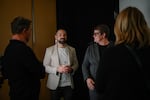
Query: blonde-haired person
[120, 77]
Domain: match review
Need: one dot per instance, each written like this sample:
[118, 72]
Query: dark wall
[78, 17]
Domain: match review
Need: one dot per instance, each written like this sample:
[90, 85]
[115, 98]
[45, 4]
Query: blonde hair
[131, 28]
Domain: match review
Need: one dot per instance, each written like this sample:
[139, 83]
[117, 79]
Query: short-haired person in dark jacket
[119, 77]
[20, 65]
[93, 56]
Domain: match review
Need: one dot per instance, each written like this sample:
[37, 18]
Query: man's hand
[64, 69]
[90, 83]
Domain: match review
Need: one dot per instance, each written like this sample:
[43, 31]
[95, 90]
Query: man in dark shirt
[93, 56]
[21, 67]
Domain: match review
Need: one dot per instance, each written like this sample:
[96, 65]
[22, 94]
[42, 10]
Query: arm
[48, 62]
[85, 70]
[75, 64]
[35, 67]
[86, 65]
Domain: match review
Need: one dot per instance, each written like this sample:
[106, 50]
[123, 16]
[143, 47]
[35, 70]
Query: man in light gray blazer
[60, 62]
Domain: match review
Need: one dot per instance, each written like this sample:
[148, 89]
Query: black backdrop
[78, 17]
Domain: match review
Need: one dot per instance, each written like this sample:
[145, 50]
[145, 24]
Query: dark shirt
[92, 58]
[23, 71]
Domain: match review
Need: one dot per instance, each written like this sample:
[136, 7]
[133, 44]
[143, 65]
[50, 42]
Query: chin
[95, 41]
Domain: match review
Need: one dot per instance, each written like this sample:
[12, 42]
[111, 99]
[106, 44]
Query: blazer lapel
[69, 57]
[56, 55]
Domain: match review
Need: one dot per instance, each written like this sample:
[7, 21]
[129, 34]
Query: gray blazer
[51, 62]
[91, 61]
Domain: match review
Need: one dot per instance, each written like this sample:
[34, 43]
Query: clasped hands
[64, 69]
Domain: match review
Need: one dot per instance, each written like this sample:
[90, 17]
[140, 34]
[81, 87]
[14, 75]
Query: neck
[19, 37]
[61, 45]
[103, 42]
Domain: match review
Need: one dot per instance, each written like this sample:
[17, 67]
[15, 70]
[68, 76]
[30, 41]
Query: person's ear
[104, 35]
[24, 30]
[55, 37]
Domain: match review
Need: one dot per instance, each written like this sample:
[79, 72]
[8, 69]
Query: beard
[62, 41]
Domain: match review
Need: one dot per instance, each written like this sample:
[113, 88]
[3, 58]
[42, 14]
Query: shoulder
[70, 47]
[111, 44]
[50, 47]
[92, 45]
[116, 50]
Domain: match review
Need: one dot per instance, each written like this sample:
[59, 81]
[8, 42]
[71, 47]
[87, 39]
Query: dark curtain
[79, 17]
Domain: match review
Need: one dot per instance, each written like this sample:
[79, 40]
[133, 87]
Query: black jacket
[119, 78]
[23, 71]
